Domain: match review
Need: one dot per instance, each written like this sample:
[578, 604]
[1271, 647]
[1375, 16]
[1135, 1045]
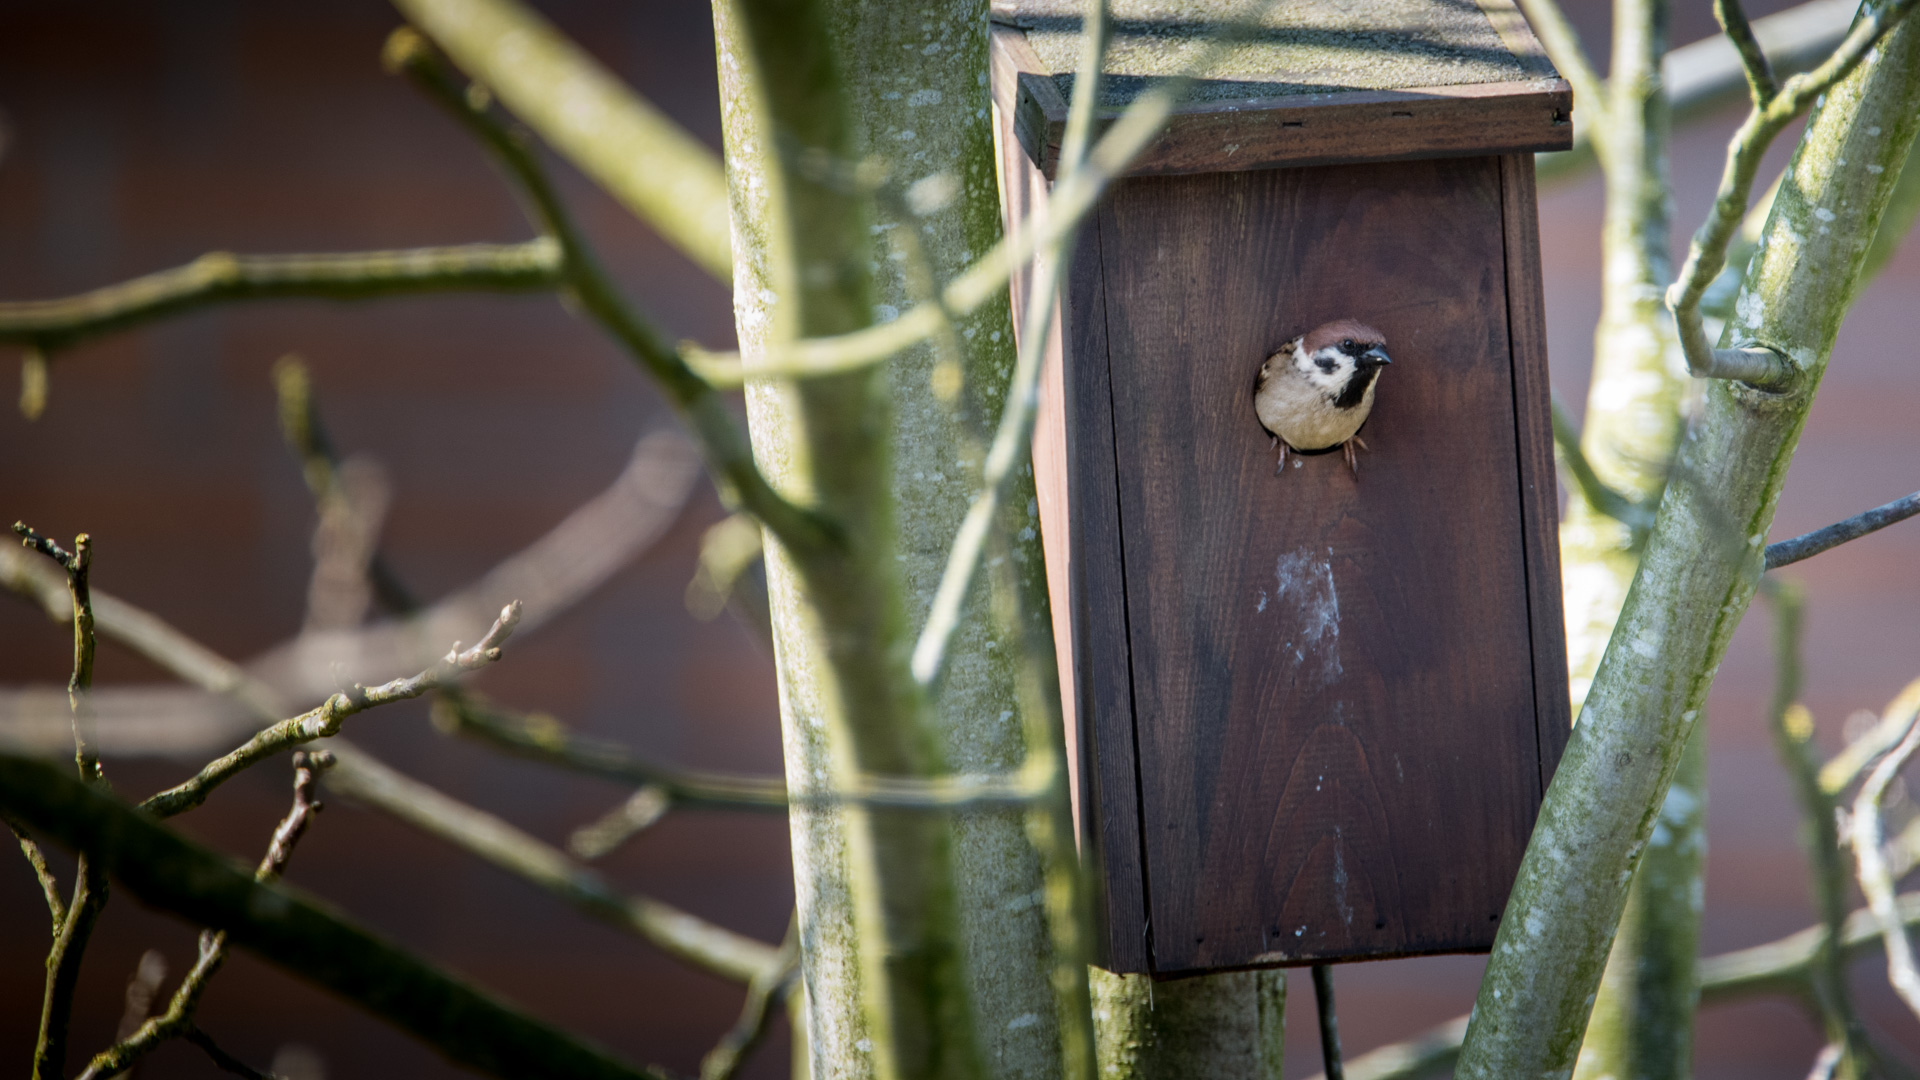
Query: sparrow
[1316, 391]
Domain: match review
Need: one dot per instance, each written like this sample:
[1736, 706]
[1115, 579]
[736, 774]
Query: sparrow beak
[1375, 357]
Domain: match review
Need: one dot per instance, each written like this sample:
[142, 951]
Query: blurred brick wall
[142, 135]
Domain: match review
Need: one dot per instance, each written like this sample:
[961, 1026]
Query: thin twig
[1843, 768]
[1759, 366]
[1081, 170]
[1638, 518]
[768, 990]
[325, 721]
[1867, 832]
[1753, 61]
[697, 941]
[1563, 46]
[227, 1062]
[1701, 77]
[308, 939]
[660, 172]
[220, 277]
[177, 1021]
[727, 450]
[691, 939]
[71, 933]
[540, 737]
[636, 814]
[49, 885]
[1072, 198]
[1792, 728]
[1787, 552]
[1777, 967]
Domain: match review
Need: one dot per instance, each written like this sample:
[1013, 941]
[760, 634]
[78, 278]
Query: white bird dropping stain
[1307, 600]
[1340, 879]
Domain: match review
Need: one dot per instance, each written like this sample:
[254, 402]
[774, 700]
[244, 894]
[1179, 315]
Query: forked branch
[177, 1020]
[727, 451]
[325, 721]
[1771, 113]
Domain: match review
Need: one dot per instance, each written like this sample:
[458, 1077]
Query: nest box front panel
[1333, 684]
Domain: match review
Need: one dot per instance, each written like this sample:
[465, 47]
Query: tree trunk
[925, 936]
[1643, 1018]
[1695, 581]
[1230, 1025]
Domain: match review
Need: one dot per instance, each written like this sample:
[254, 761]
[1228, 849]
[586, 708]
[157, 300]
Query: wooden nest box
[1311, 715]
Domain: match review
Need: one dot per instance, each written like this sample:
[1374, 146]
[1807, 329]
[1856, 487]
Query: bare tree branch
[178, 1019]
[227, 1062]
[1566, 440]
[1792, 728]
[1867, 832]
[1753, 61]
[38, 860]
[221, 277]
[1843, 768]
[765, 993]
[325, 721]
[191, 661]
[71, 933]
[693, 940]
[1761, 367]
[1708, 74]
[1073, 197]
[725, 446]
[655, 169]
[636, 814]
[1777, 967]
[297, 933]
[1787, 552]
[1563, 47]
[540, 737]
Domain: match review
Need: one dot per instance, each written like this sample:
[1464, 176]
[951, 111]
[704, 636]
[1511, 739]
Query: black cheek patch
[1326, 364]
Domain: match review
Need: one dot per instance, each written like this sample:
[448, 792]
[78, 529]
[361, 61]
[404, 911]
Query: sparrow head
[1332, 354]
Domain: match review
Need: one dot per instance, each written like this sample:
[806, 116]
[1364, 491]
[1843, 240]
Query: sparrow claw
[1280, 466]
[1352, 461]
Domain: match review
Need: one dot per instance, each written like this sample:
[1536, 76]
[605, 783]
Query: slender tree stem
[326, 720]
[1756, 363]
[1792, 727]
[71, 932]
[299, 934]
[639, 155]
[365, 780]
[1782, 967]
[1788, 552]
[1695, 581]
[37, 859]
[220, 277]
[1876, 878]
[727, 451]
[177, 1020]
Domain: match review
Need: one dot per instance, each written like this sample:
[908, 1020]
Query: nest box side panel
[1333, 678]
[1539, 490]
[1080, 531]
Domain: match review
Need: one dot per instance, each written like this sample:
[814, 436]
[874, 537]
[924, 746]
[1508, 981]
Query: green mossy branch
[300, 934]
[1695, 581]
[220, 277]
[664, 175]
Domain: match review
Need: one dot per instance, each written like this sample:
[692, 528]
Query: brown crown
[1339, 330]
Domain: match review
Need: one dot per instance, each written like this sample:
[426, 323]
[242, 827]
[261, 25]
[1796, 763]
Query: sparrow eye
[1348, 345]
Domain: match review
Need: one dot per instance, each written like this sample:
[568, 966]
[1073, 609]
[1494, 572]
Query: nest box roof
[1297, 81]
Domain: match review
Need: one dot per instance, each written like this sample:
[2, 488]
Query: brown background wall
[139, 136]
